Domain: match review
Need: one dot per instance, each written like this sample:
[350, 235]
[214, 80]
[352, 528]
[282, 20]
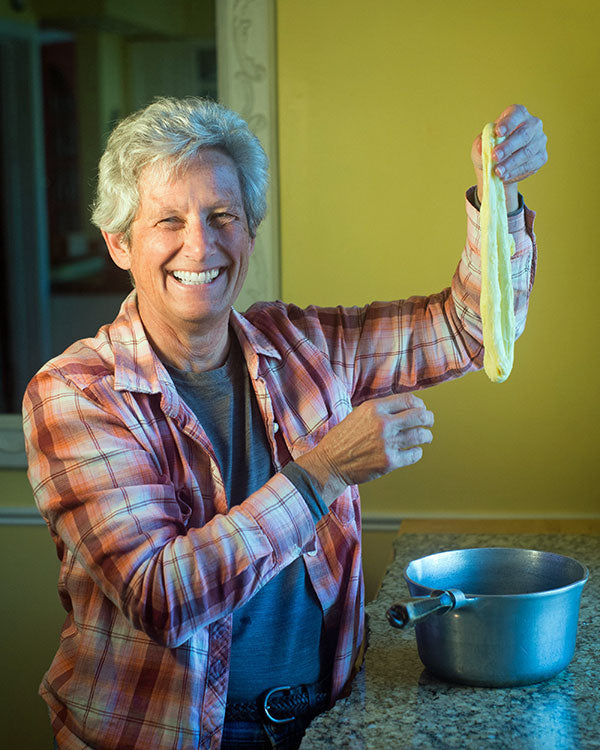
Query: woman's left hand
[521, 153]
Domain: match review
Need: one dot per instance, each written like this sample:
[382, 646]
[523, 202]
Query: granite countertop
[396, 703]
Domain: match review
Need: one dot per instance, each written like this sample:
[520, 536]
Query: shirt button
[275, 427]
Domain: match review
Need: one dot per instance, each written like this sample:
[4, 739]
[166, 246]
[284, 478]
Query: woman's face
[189, 246]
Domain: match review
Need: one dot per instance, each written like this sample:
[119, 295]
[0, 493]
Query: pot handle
[411, 611]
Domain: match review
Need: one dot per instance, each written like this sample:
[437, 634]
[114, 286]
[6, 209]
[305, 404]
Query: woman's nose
[198, 241]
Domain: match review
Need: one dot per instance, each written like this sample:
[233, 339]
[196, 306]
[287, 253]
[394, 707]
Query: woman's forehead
[211, 169]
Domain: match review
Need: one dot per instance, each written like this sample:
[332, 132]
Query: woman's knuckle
[528, 153]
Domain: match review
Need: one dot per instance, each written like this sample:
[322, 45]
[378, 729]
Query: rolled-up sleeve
[101, 490]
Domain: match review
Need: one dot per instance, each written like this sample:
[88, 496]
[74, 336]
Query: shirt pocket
[323, 415]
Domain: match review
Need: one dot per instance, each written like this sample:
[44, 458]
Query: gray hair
[173, 132]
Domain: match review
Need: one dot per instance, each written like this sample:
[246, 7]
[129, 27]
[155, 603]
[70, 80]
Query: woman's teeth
[189, 277]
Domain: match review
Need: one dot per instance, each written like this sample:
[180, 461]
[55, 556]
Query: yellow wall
[379, 103]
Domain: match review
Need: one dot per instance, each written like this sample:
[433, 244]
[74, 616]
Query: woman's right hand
[378, 436]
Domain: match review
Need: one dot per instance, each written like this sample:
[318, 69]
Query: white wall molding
[21, 516]
[371, 522]
[247, 83]
[30, 516]
[12, 443]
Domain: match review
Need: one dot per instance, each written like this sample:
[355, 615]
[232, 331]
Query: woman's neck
[191, 351]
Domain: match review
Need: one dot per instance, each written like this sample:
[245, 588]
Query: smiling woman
[182, 190]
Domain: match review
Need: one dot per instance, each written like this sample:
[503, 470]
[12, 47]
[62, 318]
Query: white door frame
[247, 83]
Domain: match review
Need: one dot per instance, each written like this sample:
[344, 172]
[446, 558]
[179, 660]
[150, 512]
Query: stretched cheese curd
[497, 246]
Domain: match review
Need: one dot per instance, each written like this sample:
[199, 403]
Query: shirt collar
[138, 368]
[258, 341]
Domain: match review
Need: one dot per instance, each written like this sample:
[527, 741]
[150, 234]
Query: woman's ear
[119, 249]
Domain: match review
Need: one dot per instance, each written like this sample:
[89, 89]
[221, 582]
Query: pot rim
[531, 594]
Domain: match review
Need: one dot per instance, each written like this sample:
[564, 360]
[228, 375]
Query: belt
[282, 704]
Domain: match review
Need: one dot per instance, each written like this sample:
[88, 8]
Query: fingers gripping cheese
[497, 246]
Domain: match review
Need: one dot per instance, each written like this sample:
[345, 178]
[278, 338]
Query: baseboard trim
[17, 516]
[30, 516]
[376, 522]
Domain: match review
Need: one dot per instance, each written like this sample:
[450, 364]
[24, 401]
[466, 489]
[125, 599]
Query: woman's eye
[170, 220]
[223, 217]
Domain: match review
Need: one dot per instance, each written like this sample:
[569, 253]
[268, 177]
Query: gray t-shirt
[278, 636]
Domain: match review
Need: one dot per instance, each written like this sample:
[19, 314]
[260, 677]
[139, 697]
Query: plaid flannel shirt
[152, 561]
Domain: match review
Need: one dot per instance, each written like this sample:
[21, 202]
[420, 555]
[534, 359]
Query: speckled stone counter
[396, 703]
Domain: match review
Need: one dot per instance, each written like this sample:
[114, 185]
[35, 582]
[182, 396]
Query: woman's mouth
[191, 278]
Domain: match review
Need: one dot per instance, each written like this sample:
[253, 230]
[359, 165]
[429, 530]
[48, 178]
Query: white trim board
[30, 516]
[371, 522]
[12, 442]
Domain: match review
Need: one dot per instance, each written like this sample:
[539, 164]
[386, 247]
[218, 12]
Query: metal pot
[493, 616]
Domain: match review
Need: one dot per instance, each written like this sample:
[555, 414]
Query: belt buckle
[266, 708]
